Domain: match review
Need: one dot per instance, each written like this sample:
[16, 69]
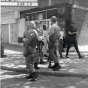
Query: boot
[29, 76]
[61, 57]
[67, 56]
[53, 66]
[32, 76]
[36, 66]
[35, 75]
[56, 67]
[80, 56]
[41, 61]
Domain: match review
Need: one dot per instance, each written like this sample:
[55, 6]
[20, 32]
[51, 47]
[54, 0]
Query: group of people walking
[52, 39]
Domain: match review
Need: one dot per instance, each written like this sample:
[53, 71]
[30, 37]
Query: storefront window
[39, 16]
[51, 13]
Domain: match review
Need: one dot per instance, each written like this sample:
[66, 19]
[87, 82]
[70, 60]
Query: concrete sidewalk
[70, 67]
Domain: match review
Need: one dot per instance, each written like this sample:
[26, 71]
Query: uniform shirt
[31, 38]
[54, 31]
[54, 34]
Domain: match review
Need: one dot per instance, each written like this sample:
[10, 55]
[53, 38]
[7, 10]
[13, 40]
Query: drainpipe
[9, 34]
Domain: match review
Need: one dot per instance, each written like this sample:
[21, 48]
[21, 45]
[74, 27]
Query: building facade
[13, 25]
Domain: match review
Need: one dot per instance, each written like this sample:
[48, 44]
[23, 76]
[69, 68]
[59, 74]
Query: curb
[52, 73]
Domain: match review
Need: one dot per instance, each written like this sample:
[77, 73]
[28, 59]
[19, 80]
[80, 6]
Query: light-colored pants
[36, 57]
[45, 47]
[53, 54]
[30, 61]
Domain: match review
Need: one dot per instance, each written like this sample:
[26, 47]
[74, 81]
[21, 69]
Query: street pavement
[72, 66]
[11, 79]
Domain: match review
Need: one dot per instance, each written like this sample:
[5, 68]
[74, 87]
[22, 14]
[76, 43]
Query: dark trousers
[75, 44]
[60, 47]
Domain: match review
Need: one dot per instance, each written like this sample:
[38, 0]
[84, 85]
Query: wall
[7, 17]
[43, 3]
[9, 27]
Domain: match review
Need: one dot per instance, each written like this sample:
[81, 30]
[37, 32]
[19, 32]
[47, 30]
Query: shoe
[81, 57]
[3, 56]
[45, 55]
[36, 66]
[57, 68]
[29, 76]
[67, 57]
[35, 75]
[61, 57]
[53, 66]
[42, 62]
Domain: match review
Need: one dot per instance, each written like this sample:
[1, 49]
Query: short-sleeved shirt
[54, 31]
[61, 34]
[54, 34]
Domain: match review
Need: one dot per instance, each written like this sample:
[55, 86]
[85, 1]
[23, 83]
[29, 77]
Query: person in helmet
[30, 41]
[54, 35]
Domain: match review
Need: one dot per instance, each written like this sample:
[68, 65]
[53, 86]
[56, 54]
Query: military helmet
[53, 18]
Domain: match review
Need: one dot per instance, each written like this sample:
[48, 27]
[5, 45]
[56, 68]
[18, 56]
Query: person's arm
[57, 36]
[24, 37]
[51, 31]
[72, 33]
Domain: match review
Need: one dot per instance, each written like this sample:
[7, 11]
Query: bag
[30, 50]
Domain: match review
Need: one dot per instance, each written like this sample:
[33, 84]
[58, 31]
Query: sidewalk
[70, 67]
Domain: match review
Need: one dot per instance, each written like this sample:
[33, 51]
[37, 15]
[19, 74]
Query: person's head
[38, 24]
[30, 26]
[53, 19]
[33, 23]
[44, 27]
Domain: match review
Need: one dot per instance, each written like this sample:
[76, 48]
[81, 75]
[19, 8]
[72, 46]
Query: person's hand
[24, 39]
[77, 33]
[69, 32]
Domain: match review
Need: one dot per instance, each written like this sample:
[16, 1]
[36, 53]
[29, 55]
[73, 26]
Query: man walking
[54, 35]
[71, 39]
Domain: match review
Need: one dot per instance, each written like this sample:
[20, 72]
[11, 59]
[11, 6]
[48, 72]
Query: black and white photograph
[44, 44]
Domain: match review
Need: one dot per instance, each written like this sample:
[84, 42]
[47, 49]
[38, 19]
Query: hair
[44, 27]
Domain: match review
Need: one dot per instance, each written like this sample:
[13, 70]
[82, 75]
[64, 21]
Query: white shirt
[62, 34]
